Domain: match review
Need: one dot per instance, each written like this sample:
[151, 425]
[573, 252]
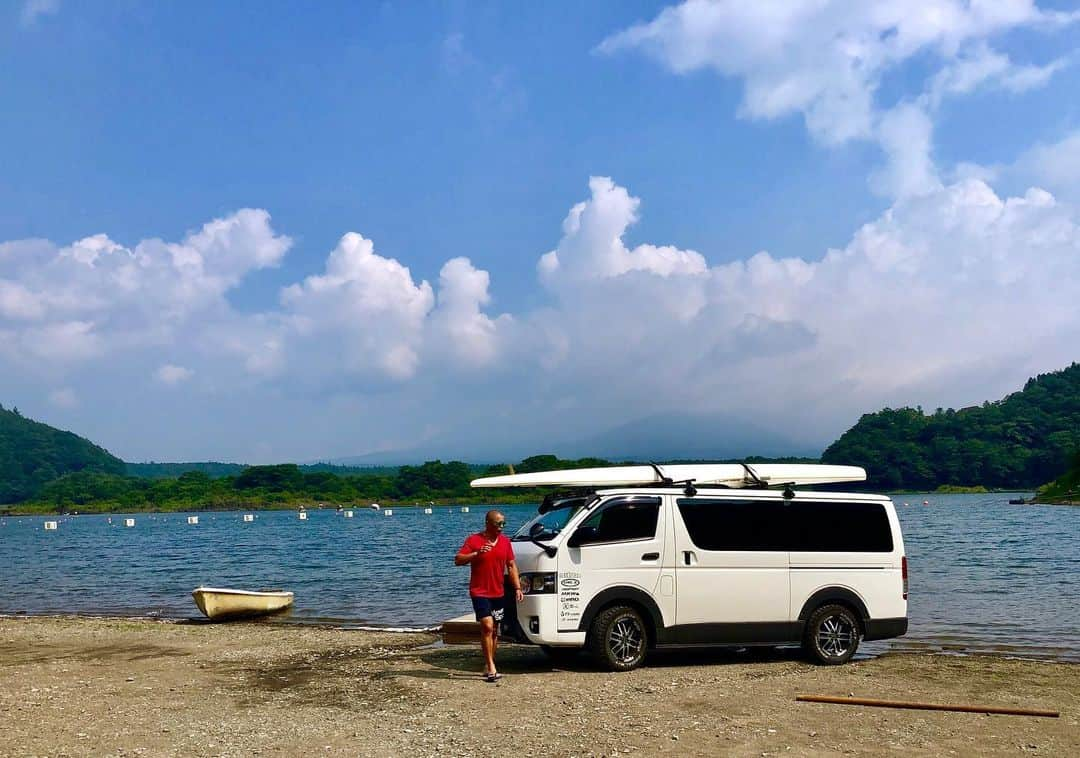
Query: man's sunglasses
[499, 524]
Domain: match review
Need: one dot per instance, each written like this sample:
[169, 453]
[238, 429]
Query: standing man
[489, 555]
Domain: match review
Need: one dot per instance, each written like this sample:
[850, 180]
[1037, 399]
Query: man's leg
[487, 643]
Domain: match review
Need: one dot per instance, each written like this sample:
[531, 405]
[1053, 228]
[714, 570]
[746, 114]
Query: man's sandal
[492, 677]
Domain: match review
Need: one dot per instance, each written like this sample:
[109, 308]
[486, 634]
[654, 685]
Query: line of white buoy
[250, 517]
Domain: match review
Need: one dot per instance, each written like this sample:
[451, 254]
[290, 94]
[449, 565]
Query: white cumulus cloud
[171, 375]
[825, 59]
[592, 245]
[367, 305]
[920, 306]
[1055, 165]
[460, 330]
[911, 310]
[95, 296]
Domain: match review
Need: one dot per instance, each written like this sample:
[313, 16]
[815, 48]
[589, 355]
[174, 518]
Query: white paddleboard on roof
[722, 474]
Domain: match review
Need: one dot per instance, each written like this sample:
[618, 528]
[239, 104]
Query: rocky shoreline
[93, 686]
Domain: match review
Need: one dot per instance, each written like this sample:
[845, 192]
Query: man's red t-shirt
[488, 568]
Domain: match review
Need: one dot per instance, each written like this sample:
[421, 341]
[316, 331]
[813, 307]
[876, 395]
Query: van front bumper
[537, 615]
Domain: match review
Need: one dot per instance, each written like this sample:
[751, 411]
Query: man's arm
[467, 553]
[515, 580]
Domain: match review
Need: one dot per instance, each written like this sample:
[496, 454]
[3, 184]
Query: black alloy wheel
[618, 639]
[832, 635]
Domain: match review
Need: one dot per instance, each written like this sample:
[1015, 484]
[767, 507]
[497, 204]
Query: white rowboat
[704, 474]
[221, 604]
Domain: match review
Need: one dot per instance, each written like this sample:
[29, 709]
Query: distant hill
[657, 437]
[32, 454]
[1064, 489]
[1022, 441]
[216, 470]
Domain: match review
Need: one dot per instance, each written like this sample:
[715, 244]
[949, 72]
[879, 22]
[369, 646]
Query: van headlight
[542, 583]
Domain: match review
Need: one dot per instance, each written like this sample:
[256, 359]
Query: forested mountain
[216, 470]
[32, 454]
[1064, 489]
[1022, 441]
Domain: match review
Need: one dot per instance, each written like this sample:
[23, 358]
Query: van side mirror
[536, 529]
[582, 536]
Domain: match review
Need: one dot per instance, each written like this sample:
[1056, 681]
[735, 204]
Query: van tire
[618, 638]
[832, 635]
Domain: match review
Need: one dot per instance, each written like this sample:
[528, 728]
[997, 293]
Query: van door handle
[686, 556]
[651, 557]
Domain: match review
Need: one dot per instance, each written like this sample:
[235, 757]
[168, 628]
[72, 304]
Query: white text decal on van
[569, 600]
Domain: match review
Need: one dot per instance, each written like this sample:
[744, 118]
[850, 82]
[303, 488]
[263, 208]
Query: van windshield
[552, 522]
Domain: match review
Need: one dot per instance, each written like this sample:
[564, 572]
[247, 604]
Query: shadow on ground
[529, 659]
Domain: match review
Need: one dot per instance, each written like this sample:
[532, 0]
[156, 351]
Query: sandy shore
[79, 686]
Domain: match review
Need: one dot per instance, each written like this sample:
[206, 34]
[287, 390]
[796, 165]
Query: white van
[622, 570]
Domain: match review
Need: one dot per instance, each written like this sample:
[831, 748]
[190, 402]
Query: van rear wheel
[832, 635]
[618, 639]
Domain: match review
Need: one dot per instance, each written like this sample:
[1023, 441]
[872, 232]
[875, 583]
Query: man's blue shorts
[489, 606]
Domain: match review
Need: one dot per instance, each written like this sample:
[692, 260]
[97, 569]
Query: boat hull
[220, 604]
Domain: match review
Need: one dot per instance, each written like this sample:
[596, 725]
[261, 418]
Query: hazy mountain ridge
[1021, 441]
[660, 436]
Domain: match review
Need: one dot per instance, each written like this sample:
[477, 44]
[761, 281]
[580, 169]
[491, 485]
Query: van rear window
[839, 527]
[801, 526]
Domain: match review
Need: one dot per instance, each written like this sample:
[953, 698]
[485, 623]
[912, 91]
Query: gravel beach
[96, 686]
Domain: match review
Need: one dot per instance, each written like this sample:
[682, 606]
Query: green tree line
[215, 469]
[283, 486]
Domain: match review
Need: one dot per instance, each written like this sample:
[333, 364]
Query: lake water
[985, 576]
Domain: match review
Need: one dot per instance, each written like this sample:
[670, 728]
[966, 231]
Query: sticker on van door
[569, 600]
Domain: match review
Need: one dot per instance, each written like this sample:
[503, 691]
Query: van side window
[734, 524]
[622, 520]
[839, 527]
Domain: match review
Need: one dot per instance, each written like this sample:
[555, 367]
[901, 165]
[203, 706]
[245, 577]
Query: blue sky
[737, 145]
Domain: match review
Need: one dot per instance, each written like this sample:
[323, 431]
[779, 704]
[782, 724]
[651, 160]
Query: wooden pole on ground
[925, 706]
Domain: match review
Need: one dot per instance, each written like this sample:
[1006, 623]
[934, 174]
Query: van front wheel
[832, 635]
[618, 639]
